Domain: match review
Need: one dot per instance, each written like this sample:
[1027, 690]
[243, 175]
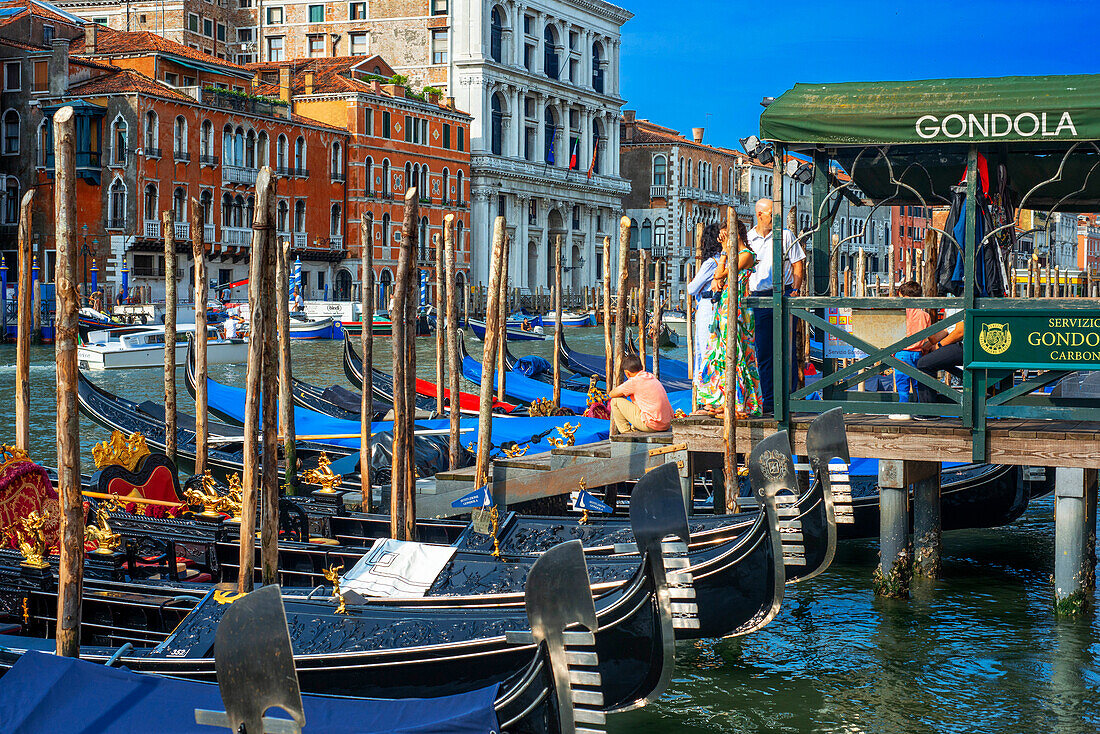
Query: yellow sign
[995, 338]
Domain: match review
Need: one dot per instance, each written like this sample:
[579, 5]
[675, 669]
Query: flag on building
[550, 153]
[575, 154]
[595, 151]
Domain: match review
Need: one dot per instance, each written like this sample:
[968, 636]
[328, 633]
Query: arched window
[206, 140]
[227, 210]
[151, 209]
[206, 201]
[386, 191]
[729, 182]
[238, 147]
[458, 187]
[262, 145]
[119, 141]
[300, 216]
[116, 205]
[152, 134]
[718, 188]
[597, 67]
[281, 151]
[249, 211]
[300, 155]
[368, 175]
[408, 175]
[423, 243]
[11, 200]
[337, 159]
[702, 175]
[659, 235]
[549, 144]
[45, 143]
[660, 170]
[496, 34]
[687, 181]
[179, 137]
[458, 243]
[550, 47]
[238, 211]
[11, 132]
[227, 145]
[282, 217]
[250, 149]
[179, 204]
[385, 238]
[497, 125]
[424, 179]
[335, 220]
[446, 186]
[597, 136]
[634, 233]
[647, 235]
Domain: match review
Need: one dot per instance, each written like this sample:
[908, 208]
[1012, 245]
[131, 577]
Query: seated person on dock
[948, 355]
[649, 410]
[915, 320]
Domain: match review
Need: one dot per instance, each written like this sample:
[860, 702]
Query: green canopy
[1030, 109]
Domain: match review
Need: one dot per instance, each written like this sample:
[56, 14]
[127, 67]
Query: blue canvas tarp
[45, 693]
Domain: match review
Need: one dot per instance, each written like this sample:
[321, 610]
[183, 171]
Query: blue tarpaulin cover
[533, 365]
[48, 694]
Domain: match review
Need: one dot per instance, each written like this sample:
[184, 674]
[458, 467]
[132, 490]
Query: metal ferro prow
[255, 667]
[827, 439]
[772, 474]
[559, 595]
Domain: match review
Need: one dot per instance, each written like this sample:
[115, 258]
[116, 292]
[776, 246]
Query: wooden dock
[1055, 443]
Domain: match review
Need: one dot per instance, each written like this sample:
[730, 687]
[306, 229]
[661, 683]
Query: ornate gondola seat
[26, 494]
[127, 469]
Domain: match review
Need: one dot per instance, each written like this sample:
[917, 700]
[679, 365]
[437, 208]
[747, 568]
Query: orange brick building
[396, 140]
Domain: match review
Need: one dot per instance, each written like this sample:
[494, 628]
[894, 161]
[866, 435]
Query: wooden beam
[621, 313]
[70, 583]
[269, 389]
[399, 502]
[168, 231]
[439, 347]
[557, 322]
[608, 344]
[733, 315]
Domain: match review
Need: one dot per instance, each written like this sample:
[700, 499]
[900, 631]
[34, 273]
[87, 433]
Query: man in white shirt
[761, 283]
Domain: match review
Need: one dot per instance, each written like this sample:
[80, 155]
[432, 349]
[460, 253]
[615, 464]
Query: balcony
[236, 236]
[209, 233]
[236, 102]
[208, 160]
[301, 172]
[152, 152]
[336, 243]
[239, 175]
[152, 230]
[182, 156]
[301, 240]
[182, 231]
[658, 192]
[116, 223]
[338, 177]
[284, 171]
[147, 272]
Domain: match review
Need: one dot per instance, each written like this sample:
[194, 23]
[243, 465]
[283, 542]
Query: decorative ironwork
[332, 575]
[120, 450]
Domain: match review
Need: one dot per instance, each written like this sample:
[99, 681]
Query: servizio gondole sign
[1003, 339]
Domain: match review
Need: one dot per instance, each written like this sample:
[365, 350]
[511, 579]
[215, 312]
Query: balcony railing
[208, 160]
[658, 192]
[147, 272]
[209, 233]
[338, 177]
[152, 152]
[238, 236]
[301, 240]
[182, 230]
[336, 243]
[182, 156]
[301, 172]
[116, 223]
[152, 229]
[226, 100]
[284, 171]
[238, 175]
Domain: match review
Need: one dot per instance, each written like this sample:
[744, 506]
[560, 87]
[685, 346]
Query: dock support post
[927, 527]
[894, 571]
[1074, 539]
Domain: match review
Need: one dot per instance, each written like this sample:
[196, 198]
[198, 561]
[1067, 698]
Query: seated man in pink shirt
[650, 410]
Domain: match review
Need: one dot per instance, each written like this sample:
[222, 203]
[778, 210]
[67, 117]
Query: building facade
[541, 80]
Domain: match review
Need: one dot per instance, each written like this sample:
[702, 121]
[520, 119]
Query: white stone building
[541, 79]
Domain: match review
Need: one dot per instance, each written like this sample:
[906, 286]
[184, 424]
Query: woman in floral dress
[712, 389]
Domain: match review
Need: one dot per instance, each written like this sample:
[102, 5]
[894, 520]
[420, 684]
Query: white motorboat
[145, 348]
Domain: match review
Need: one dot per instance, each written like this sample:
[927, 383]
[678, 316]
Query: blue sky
[707, 56]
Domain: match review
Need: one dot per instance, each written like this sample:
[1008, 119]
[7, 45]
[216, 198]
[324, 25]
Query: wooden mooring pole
[198, 253]
[488, 357]
[408, 499]
[402, 524]
[1074, 539]
[733, 314]
[643, 292]
[454, 367]
[621, 313]
[366, 348]
[269, 387]
[281, 292]
[440, 357]
[608, 344]
[168, 230]
[252, 469]
[557, 322]
[24, 327]
[655, 331]
[70, 572]
[502, 317]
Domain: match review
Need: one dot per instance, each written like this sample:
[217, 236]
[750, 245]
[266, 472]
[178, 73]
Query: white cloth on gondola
[396, 568]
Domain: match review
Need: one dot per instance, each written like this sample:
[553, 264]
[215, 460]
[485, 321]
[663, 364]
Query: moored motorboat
[145, 348]
[525, 332]
[301, 327]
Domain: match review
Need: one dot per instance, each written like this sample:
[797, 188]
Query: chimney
[58, 66]
[89, 38]
[629, 115]
[376, 86]
[284, 84]
[697, 133]
[450, 102]
[394, 90]
[307, 86]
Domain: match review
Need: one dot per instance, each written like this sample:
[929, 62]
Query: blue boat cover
[671, 369]
[46, 693]
[229, 401]
[523, 389]
[532, 365]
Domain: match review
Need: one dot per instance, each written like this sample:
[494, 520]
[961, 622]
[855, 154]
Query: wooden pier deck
[1057, 443]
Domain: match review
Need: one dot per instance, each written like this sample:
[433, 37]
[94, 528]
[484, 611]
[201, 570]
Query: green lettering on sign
[1004, 339]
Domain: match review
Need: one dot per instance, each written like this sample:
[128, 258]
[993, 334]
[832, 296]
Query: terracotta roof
[40, 9]
[649, 133]
[21, 44]
[127, 81]
[111, 42]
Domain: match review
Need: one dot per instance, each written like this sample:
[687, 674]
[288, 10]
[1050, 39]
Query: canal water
[978, 650]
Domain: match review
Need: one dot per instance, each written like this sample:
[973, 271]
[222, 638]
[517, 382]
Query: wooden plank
[601, 449]
[599, 473]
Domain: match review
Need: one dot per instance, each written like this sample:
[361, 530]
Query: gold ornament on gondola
[595, 394]
[541, 408]
[332, 575]
[32, 541]
[207, 497]
[9, 454]
[101, 533]
[322, 476]
[120, 450]
[583, 486]
[516, 451]
[567, 432]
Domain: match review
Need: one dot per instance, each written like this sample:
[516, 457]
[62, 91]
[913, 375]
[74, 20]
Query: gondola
[405, 647]
[382, 386]
[512, 363]
[673, 371]
[336, 401]
[543, 696]
[514, 333]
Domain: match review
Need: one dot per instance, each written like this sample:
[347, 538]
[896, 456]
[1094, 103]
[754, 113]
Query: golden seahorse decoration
[332, 575]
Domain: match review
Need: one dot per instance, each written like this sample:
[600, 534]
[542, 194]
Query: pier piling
[454, 367]
[269, 389]
[286, 399]
[927, 527]
[502, 316]
[366, 347]
[608, 344]
[1074, 539]
[733, 314]
[557, 322]
[488, 357]
[622, 305]
[402, 506]
[168, 230]
[24, 326]
[894, 570]
[198, 253]
[439, 351]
